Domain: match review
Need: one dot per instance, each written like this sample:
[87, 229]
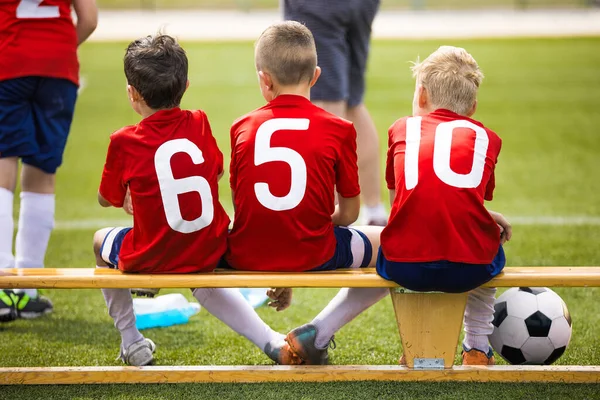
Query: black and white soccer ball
[531, 326]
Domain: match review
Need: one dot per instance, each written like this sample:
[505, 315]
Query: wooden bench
[429, 325]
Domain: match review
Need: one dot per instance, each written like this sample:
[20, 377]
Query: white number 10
[441, 154]
[34, 9]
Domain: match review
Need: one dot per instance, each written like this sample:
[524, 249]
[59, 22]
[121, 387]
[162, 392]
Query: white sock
[374, 213]
[479, 315]
[7, 226]
[229, 306]
[36, 221]
[120, 308]
[343, 308]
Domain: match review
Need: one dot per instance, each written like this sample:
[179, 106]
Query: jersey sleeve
[212, 142]
[346, 178]
[112, 187]
[390, 178]
[491, 185]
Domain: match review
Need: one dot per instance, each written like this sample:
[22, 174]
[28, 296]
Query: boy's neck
[297, 90]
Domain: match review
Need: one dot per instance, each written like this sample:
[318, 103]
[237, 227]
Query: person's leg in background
[53, 105]
[369, 158]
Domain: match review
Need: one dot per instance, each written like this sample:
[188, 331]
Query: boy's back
[41, 37]
[441, 166]
[288, 158]
[171, 163]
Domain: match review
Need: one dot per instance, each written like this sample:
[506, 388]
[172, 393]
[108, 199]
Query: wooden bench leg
[429, 325]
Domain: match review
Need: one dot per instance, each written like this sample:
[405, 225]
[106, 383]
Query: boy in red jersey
[39, 74]
[170, 164]
[288, 159]
[440, 168]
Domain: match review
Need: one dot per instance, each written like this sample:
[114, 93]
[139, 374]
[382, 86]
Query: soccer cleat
[280, 352]
[145, 292]
[139, 353]
[32, 307]
[477, 357]
[302, 343]
[8, 309]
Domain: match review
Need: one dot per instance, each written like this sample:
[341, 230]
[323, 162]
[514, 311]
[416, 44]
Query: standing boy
[170, 164]
[440, 237]
[39, 75]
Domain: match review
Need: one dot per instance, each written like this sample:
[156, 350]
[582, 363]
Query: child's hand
[282, 298]
[127, 204]
[504, 225]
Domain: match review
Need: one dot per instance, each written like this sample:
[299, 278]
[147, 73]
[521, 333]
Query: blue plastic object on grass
[162, 311]
[256, 297]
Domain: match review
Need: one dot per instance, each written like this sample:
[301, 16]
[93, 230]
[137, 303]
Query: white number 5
[263, 153]
[441, 154]
[170, 187]
[33, 9]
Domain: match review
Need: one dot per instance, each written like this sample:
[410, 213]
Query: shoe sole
[34, 315]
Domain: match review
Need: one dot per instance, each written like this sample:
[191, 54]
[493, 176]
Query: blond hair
[287, 51]
[451, 77]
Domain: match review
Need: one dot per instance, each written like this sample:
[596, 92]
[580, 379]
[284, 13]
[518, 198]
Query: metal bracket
[428, 363]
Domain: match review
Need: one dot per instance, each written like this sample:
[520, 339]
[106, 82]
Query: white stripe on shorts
[108, 243]
[357, 246]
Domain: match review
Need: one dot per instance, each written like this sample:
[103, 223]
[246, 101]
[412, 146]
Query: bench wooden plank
[85, 278]
[324, 373]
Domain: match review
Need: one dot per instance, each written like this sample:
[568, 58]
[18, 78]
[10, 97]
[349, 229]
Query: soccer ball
[531, 326]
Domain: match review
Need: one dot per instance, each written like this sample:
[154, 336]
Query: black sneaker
[145, 292]
[8, 309]
[29, 308]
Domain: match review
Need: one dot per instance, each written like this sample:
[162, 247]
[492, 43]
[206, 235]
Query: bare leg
[373, 233]
[369, 167]
[335, 107]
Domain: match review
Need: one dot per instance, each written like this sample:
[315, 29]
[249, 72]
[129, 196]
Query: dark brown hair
[287, 51]
[157, 67]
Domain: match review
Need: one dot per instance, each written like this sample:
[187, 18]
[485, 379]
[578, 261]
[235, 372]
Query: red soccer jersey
[287, 159]
[442, 168]
[170, 162]
[38, 38]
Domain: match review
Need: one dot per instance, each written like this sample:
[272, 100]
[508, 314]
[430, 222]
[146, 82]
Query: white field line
[239, 25]
[85, 224]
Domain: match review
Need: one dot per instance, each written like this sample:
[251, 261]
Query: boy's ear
[265, 79]
[316, 76]
[473, 109]
[187, 84]
[133, 94]
[423, 97]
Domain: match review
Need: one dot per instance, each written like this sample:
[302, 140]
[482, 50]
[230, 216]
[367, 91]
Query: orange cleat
[477, 357]
[282, 354]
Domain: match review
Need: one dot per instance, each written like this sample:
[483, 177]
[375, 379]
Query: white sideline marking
[84, 224]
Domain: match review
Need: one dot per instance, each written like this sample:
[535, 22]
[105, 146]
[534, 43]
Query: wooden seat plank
[322, 373]
[85, 278]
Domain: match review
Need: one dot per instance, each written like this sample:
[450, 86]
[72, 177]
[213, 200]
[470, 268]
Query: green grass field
[542, 96]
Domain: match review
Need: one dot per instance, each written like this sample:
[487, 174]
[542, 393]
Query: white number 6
[171, 187]
[34, 9]
[263, 153]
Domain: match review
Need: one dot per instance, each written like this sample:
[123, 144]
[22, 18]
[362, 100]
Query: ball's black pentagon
[512, 355]
[538, 325]
[500, 313]
[567, 314]
[534, 291]
[555, 355]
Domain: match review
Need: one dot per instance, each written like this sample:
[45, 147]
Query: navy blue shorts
[111, 246]
[342, 31]
[353, 250]
[440, 276]
[35, 118]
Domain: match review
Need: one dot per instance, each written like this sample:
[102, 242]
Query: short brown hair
[451, 77]
[287, 51]
[157, 67]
